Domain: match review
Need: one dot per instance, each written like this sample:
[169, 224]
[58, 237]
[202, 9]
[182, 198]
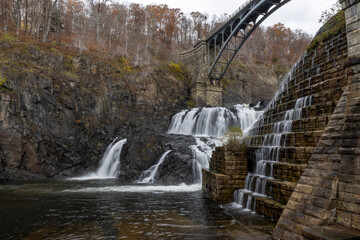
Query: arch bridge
[209, 59]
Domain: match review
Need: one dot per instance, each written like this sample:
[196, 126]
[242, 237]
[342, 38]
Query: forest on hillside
[140, 33]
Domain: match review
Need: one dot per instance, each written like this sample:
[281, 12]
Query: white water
[213, 122]
[149, 175]
[210, 123]
[202, 153]
[207, 125]
[269, 152]
[137, 188]
[109, 165]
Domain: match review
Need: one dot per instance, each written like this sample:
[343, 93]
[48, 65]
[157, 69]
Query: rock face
[249, 84]
[59, 112]
[141, 152]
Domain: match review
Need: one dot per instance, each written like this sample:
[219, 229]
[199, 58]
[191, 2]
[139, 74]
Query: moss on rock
[330, 29]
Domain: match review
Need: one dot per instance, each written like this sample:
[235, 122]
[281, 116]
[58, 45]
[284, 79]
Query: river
[100, 206]
[111, 209]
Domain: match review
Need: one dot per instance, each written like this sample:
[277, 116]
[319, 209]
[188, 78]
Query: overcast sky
[297, 14]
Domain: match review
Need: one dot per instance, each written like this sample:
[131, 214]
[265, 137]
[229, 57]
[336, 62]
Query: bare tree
[49, 9]
[327, 14]
[18, 17]
[98, 6]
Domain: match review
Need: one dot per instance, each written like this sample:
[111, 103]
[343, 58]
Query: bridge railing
[242, 7]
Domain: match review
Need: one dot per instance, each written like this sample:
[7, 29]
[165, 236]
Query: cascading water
[210, 123]
[202, 152]
[269, 152]
[109, 164]
[206, 122]
[149, 175]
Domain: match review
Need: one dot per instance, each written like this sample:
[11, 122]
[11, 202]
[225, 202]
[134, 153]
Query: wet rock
[141, 152]
[59, 113]
[176, 169]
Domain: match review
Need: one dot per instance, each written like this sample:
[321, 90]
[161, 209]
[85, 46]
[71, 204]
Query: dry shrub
[234, 139]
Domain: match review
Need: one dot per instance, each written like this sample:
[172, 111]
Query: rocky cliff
[58, 112]
[250, 83]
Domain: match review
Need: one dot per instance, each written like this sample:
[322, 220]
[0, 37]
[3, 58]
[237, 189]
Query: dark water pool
[110, 209]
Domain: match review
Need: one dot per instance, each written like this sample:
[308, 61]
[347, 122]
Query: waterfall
[268, 153]
[202, 153]
[206, 125]
[212, 121]
[110, 162]
[109, 165]
[210, 124]
[149, 175]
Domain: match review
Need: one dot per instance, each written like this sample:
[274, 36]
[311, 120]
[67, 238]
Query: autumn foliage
[141, 33]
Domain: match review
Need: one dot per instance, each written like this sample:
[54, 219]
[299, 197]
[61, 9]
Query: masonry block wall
[203, 93]
[348, 202]
[328, 192]
[228, 170]
[320, 74]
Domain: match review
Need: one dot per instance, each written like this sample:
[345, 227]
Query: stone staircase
[320, 76]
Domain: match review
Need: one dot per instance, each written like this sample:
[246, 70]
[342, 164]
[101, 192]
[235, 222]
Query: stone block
[349, 170]
[349, 207]
[319, 202]
[315, 211]
[354, 51]
[295, 206]
[323, 192]
[355, 221]
[297, 196]
[344, 218]
[346, 197]
[285, 224]
[354, 36]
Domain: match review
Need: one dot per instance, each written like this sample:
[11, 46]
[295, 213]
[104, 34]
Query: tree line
[141, 33]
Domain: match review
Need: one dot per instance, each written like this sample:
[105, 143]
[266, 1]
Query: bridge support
[204, 91]
[210, 58]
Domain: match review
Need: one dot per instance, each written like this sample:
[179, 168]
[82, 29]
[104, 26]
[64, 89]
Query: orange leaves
[199, 20]
[164, 21]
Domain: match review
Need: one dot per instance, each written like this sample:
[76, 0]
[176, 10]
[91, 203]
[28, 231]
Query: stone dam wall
[320, 75]
[326, 200]
[313, 170]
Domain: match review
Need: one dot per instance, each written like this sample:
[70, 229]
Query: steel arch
[230, 42]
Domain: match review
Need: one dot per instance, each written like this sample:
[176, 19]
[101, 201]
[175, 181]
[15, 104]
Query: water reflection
[109, 209]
